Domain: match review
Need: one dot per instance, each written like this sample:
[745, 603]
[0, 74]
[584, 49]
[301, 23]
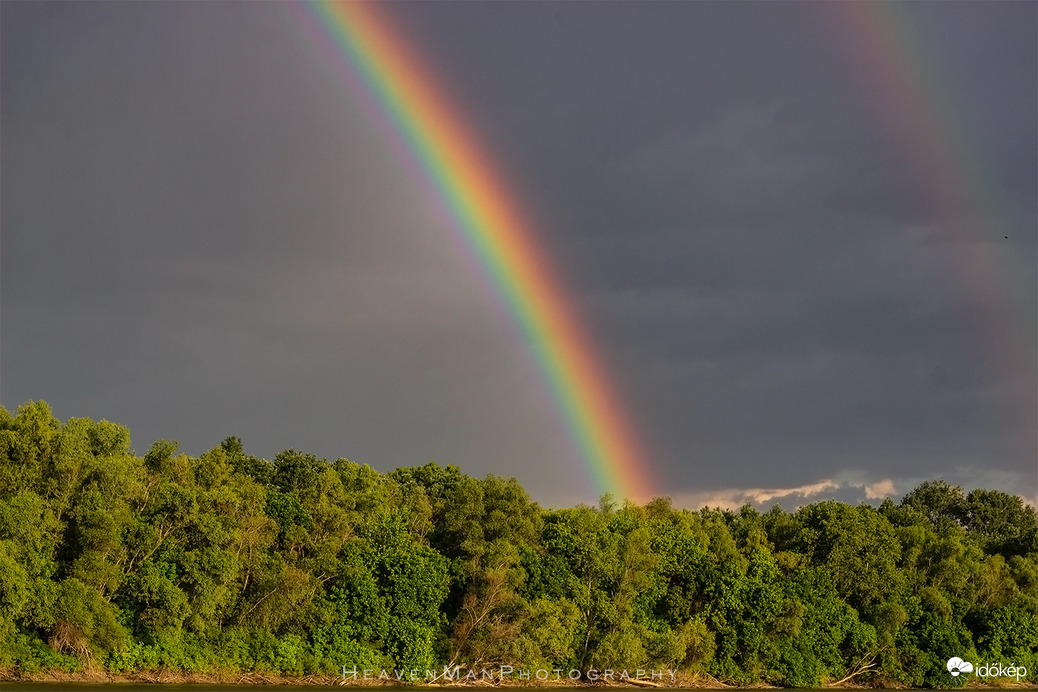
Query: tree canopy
[299, 566]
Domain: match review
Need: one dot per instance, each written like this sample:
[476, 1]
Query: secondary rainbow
[901, 80]
[486, 214]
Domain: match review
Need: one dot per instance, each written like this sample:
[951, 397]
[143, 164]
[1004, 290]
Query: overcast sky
[796, 278]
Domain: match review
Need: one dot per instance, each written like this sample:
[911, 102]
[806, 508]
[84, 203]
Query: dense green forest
[298, 566]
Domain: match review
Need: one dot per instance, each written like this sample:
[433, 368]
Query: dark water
[180, 687]
[160, 687]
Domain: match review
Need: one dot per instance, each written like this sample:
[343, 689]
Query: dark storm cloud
[760, 256]
[204, 234]
[201, 238]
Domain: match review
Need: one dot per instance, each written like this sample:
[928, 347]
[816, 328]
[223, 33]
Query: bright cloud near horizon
[805, 253]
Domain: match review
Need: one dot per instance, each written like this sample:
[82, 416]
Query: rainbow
[889, 57]
[482, 209]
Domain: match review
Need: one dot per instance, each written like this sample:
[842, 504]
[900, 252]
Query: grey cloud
[207, 232]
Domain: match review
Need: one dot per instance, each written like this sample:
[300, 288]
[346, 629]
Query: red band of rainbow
[506, 247]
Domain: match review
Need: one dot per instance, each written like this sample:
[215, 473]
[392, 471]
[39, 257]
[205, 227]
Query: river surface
[162, 687]
[248, 687]
[192, 687]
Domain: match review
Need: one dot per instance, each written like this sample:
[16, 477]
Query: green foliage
[27, 446]
[1001, 523]
[14, 588]
[299, 566]
[152, 594]
[939, 503]
[1008, 633]
[858, 547]
[29, 653]
[84, 623]
[30, 536]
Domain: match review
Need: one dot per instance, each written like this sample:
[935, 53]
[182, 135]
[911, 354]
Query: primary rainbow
[486, 214]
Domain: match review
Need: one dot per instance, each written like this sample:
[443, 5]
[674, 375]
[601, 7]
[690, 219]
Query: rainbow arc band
[901, 79]
[486, 214]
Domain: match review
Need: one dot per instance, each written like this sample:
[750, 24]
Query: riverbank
[232, 678]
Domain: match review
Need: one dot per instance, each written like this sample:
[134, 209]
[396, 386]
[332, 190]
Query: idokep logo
[956, 666]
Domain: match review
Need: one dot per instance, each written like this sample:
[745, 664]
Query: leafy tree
[941, 504]
[1001, 523]
[298, 566]
[390, 593]
[27, 446]
[84, 623]
[858, 547]
[31, 536]
[153, 596]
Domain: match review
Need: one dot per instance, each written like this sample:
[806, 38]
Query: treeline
[298, 566]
